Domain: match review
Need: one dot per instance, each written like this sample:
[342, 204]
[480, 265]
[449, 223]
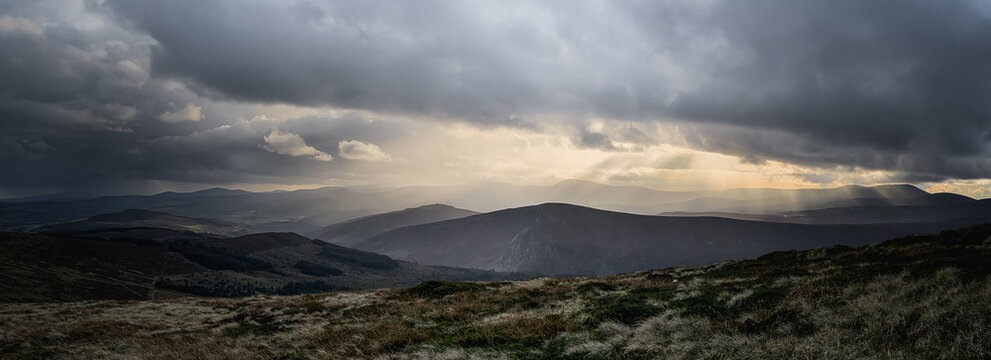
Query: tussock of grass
[926, 297]
[436, 289]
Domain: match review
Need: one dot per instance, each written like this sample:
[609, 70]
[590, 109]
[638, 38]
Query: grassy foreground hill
[925, 297]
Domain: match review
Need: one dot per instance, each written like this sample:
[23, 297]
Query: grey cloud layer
[899, 86]
[80, 112]
[887, 85]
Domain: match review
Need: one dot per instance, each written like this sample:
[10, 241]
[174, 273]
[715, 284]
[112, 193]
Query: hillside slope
[922, 297]
[149, 263]
[570, 239]
[352, 231]
[132, 218]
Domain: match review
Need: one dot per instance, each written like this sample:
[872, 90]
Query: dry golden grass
[911, 299]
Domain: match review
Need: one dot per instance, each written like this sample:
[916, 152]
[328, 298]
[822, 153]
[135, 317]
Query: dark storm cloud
[594, 140]
[888, 85]
[65, 89]
[899, 86]
[80, 112]
[403, 57]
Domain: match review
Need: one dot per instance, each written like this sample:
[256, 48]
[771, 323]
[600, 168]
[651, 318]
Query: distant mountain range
[350, 232]
[570, 239]
[220, 242]
[971, 212]
[766, 201]
[307, 211]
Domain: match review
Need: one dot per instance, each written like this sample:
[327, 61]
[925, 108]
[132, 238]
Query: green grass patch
[513, 336]
[436, 289]
[627, 309]
[595, 286]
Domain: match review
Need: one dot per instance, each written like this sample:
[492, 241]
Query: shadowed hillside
[920, 297]
[352, 231]
[569, 239]
[132, 218]
[147, 263]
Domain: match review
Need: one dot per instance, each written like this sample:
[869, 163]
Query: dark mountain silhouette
[353, 231]
[568, 239]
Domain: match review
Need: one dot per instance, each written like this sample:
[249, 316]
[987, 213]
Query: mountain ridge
[131, 218]
[558, 238]
[304, 211]
[352, 231]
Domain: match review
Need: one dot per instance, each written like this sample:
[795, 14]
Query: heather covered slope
[569, 239]
[132, 218]
[37, 267]
[921, 297]
[151, 263]
[352, 231]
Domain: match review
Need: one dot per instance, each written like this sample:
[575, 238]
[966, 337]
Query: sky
[140, 96]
